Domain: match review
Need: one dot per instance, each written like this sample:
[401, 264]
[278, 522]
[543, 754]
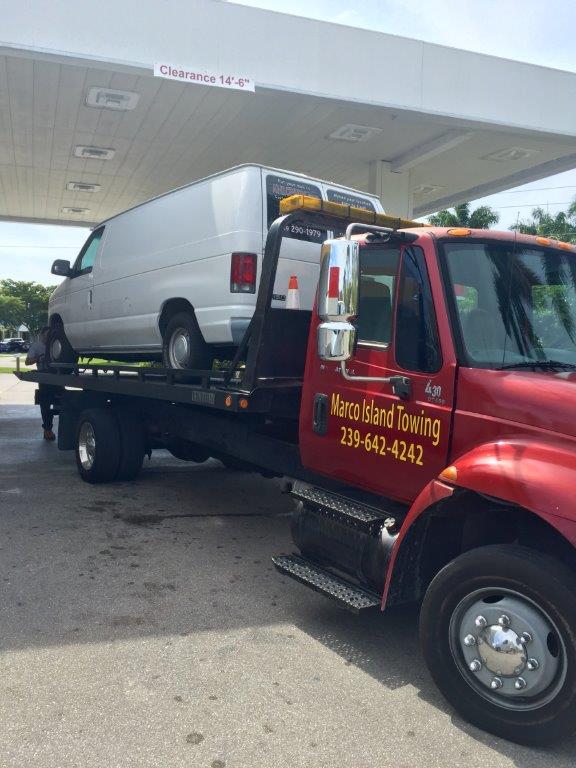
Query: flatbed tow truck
[424, 412]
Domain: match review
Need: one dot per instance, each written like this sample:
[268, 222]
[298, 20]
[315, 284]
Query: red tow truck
[425, 412]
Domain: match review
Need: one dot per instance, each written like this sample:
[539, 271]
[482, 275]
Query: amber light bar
[341, 211]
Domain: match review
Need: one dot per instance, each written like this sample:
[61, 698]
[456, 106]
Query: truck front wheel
[498, 632]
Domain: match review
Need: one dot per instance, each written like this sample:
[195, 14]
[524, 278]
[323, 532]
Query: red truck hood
[541, 400]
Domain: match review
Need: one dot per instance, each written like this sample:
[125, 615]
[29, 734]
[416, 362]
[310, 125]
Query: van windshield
[516, 306]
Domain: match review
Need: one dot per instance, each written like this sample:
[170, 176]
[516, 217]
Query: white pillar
[392, 187]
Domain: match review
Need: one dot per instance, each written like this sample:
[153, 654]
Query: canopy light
[511, 154]
[82, 186]
[94, 153]
[341, 211]
[354, 133]
[71, 209]
[108, 98]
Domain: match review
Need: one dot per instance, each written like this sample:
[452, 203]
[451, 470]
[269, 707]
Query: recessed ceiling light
[108, 98]
[72, 209]
[427, 189]
[354, 133]
[94, 153]
[82, 186]
[510, 154]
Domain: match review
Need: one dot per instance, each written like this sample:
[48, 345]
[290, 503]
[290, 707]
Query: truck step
[347, 595]
[348, 511]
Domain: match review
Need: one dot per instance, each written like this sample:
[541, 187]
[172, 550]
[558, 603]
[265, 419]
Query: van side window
[335, 196]
[87, 255]
[277, 187]
[378, 271]
[417, 345]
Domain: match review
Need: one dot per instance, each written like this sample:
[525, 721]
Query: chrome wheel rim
[179, 348]
[56, 349]
[87, 445]
[508, 649]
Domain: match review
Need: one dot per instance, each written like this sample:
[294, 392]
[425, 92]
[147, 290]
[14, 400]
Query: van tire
[183, 346]
[59, 349]
[98, 445]
[132, 444]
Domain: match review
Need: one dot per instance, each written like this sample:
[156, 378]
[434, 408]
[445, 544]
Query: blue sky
[526, 30]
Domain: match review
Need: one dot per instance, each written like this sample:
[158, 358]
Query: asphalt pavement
[142, 625]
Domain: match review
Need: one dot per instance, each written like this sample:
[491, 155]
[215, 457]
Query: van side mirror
[338, 290]
[61, 267]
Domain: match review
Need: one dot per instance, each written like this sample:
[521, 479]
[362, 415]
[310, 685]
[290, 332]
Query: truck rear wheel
[132, 444]
[183, 346]
[98, 447]
[498, 632]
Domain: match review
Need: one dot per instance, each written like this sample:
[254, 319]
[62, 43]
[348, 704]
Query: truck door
[79, 326]
[362, 432]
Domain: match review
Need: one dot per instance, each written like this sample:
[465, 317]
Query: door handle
[90, 297]
[401, 385]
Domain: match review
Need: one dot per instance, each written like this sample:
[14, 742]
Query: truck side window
[87, 255]
[378, 271]
[417, 346]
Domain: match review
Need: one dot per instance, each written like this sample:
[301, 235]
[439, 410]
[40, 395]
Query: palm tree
[480, 218]
[561, 226]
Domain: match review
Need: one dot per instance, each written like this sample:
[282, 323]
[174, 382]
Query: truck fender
[538, 476]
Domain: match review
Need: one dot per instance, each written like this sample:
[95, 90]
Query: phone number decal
[400, 450]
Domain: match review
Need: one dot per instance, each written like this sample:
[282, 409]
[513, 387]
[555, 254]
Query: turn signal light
[243, 273]
[450, 474]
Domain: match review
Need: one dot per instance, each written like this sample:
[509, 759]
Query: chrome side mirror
[338, 286]
[336, 341]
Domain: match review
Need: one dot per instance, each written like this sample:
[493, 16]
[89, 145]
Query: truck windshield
[516, 305]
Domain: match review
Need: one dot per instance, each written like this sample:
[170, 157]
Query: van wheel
[183, 346]
[98, 445]
[498, 632]
[59, 350]
[132, 444]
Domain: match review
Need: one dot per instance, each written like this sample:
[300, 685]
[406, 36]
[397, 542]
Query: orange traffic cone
[293, 295]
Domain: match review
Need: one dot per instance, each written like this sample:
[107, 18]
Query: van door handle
[90, 297]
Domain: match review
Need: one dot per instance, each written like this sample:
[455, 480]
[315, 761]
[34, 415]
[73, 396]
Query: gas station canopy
[87, 129]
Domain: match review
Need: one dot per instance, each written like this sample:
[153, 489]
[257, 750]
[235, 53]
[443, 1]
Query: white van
[176, 277]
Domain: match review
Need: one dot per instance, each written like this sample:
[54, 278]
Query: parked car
[176, 278]
[14, 344]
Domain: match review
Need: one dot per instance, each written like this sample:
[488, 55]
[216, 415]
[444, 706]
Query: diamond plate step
[347, 595]
[353, 513]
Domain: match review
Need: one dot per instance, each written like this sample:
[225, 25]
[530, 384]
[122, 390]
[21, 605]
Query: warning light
[543, 241]
[228, 401]
[341, 211]
[243, 403]
[459, 232]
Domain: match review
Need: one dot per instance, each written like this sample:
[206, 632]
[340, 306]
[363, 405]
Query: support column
[392, 187]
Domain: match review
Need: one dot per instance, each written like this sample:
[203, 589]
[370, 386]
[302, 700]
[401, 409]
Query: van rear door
[300, 252]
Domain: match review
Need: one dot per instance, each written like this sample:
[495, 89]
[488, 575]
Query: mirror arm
[401, 385]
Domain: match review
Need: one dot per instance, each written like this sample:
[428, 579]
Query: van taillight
[243, 273]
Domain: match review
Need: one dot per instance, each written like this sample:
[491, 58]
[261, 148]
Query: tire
[132, 444]
[183, 346]
[59, 349]
[98, 445]
[533, 702]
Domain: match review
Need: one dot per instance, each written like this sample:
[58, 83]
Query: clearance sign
[201, 76]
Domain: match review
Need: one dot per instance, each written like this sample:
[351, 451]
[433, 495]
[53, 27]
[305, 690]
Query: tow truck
[424, 412]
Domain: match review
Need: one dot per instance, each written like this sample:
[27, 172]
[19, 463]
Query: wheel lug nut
[533, 664]
[475, 666]
[469, 640]
[496, 683]
[525, 637]
[520, 683]
[480, 622]
[504, 621]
